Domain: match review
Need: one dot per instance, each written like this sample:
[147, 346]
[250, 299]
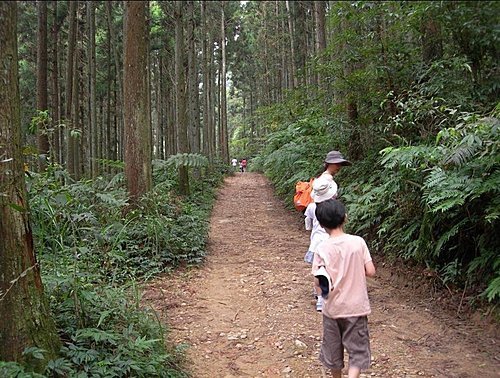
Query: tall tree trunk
[24, 311]
[136, 106]
[41, 85]
[284, 52]
[193, 95]
[157, 109]
[319, 17]
[77, 118]
[180, 89]
[119, 113]
[93, 128]
[57, 154]
[223, 95]
[300, 41]
[108, 151]
[161, 108]
[171, 119]
[382, 26]
[214, 102]
[205, 77]
[293, 78]
[351, 104]
[432, 47]
[70, 149]
[266, 99]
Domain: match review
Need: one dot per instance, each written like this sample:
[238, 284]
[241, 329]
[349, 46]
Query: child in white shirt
[324, 188]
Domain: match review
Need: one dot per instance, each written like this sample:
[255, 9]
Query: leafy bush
[92, 255]
[107, 333]
[438, 204]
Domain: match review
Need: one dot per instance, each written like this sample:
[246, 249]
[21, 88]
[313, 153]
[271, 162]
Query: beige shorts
[349, 333]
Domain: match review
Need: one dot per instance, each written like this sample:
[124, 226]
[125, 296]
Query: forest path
[249, 311]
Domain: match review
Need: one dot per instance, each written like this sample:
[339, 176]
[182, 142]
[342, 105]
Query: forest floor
[248, 311]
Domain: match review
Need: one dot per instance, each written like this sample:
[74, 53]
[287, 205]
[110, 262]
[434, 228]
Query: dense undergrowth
[94, 259]
[434, 202]
[421, 126]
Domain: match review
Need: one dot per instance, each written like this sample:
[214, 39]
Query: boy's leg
[336, 373]
[356, 340]
[354, 372]
[331, 354]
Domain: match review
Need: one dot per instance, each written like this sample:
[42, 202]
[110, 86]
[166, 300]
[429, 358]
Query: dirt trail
[249, 311]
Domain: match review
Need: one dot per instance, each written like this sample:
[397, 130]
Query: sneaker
[319, 304]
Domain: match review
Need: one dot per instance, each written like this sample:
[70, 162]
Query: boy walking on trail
[346, 262]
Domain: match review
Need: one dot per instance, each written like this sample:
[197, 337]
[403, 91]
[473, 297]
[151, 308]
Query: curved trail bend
[249, 311]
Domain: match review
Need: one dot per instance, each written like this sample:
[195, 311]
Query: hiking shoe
[319, 304]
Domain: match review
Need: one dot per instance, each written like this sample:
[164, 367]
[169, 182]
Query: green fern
[447, 236]
[492, 292]
[185, 160]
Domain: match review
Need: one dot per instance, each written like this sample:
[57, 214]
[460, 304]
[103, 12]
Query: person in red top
[243, 165]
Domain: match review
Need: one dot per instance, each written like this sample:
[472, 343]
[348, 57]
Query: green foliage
[187, 160]
[15, 370]
[40, 122]
[107, 333]
[438, 203]
[92, 254]
[293, 154]
[83, 221]
[421, 77]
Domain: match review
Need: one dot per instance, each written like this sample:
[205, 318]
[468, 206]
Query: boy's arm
[369, 269]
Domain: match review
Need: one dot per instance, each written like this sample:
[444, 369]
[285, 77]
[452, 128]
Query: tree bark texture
[193, 95]
[70, 149]
[432, 43]
[205, 77]
[93, 129]
[117, 149]
[24, 311]
[41, 84]
[292, 78]
[319, 17]
[136, 105]
[180, 89]
[223, 95]
[57, 152]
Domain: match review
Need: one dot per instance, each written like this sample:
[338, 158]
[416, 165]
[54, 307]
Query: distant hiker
[243, 165]
[234, 163]
[345, 262]
[334, 161]
[324, 188]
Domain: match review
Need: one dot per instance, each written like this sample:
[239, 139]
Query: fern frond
[493, 289]
[444, 190]
[186, 160]
[445, 237]
[461, 155]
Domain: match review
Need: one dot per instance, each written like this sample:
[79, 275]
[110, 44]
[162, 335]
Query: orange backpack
[302, 196]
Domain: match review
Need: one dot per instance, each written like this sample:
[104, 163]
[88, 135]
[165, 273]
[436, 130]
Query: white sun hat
[323, 189]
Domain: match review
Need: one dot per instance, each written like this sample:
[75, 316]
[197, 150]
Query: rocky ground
[249, 311]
